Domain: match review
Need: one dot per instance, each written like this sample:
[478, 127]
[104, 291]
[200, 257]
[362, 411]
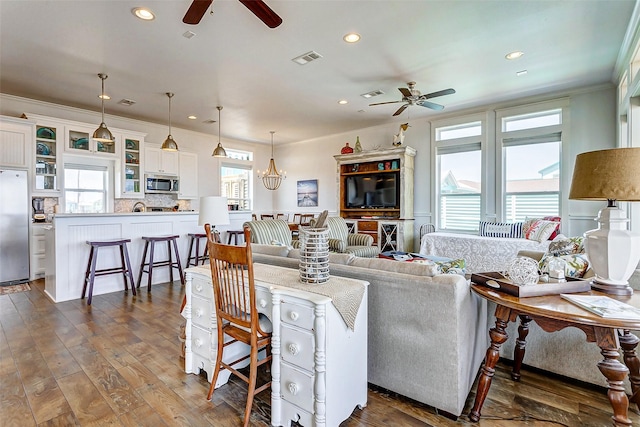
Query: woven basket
[314, 255]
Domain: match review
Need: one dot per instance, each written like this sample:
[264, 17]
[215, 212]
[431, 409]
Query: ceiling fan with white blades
[259, 8]
[412, 96]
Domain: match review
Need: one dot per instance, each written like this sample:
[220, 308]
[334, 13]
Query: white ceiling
[53, 51]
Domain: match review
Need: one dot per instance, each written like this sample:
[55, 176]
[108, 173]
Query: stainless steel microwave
[161, 184]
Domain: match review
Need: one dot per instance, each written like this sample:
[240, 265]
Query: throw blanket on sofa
[482, 254]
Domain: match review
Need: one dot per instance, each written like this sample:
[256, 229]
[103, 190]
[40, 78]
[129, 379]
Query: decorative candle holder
[314, 255]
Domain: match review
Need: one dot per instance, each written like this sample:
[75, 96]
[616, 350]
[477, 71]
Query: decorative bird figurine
[398, 138]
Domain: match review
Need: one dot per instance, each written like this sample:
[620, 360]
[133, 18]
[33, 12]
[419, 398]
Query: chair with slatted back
[283, 216]
[266, 216]
[296, 218]
[236, 312]
[305, 219]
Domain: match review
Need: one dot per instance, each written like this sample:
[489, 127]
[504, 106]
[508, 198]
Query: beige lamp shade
[612, 174]
[213, 210]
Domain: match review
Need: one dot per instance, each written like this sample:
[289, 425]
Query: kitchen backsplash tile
[156, 200]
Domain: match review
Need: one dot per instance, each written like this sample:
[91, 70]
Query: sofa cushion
[500, 229]
[413, 268]
[270, 249]
[334, 258]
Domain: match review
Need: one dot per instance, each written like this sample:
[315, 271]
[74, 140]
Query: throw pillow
[540, 230]
[500, 229]
[455, 266]
[576, 265]
[571, 245]
[530, 221]
[554, 219]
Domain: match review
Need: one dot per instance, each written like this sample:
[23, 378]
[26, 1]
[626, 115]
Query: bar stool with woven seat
[125, 265]
[149, 243]
[194, 238]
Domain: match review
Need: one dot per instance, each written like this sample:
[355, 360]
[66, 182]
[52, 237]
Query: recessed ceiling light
[351, 38]
[514, 55]
[372, 94]
[343, 101]
[521, 73]
[104, 96]
[192, 117]
[143, 13]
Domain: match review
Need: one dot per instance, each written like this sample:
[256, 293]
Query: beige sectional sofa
[427, 336]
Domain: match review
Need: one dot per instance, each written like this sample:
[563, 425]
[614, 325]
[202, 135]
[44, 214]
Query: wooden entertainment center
[376, 195]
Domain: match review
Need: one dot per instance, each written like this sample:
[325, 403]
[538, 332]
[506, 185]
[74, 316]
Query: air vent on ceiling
[209, 121]
[372, 93]
[307, 57]
[188, 34]
[126, 102]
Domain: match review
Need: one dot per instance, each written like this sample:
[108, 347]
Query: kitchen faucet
[139, 207]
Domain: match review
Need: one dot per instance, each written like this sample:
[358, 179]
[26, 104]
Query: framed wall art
[307, 193]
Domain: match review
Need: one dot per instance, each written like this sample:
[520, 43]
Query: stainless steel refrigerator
[14, 227]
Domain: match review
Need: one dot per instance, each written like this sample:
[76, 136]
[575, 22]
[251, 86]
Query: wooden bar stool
[149, 243]
[197, 257]
[125, 265]
[234, 234]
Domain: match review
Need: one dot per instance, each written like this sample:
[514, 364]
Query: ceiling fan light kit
[103, 134]
[412, 96]
[169, 144]
[271, 178]
[219, 150]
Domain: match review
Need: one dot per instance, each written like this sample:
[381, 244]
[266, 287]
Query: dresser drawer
[201, 341]
[291, 412]
[202, 288]
[201, 312]
[297, 347]
[296, 314]
[368, 226]
[297, 387]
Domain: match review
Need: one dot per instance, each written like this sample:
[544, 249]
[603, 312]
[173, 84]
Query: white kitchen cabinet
[16, 142]
[130, 166]
[37, 250]
[160, 161]
[188, 175]
[48, 170]
[78, 140]
[315, 354]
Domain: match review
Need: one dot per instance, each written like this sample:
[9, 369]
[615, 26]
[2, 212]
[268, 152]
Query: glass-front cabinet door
[47, 155]
[131, 170]
[79, 141]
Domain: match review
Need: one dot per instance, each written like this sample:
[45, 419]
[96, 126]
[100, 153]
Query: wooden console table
[319, 344]
[552, 313]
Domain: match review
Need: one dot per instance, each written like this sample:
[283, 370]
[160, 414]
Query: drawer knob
[198, 342]
[199, 312]
[199, 287]
[263, 303]
[294, 316]
[294, 349]
[293, 388]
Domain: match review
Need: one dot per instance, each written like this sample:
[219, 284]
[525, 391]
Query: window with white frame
[531, 156]
[459, 176]
[235, 179]
[85, 188]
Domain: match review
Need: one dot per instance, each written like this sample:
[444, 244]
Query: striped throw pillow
[501, 229]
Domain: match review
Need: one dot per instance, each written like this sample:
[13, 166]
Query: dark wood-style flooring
[117, 363]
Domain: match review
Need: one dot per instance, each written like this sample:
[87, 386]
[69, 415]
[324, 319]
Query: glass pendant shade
[219, 151]
[169, 144]
[271, 178]
[103, 134]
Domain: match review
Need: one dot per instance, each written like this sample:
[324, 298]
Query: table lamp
[213, 211]
[613, 250]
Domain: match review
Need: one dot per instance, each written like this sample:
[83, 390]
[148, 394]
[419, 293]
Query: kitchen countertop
[112, 214]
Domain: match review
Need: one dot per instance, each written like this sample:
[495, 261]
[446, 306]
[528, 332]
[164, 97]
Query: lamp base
[608, 288]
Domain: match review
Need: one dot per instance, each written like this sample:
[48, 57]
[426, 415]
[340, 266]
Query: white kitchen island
[67, 252]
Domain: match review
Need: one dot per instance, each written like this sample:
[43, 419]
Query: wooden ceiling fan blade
[382, 103]
[405, 92]
[263, 12]
[439, 93]
[431, 105]
[196, 11]
[400, 110]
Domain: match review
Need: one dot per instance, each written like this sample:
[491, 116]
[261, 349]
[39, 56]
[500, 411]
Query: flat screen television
[374, 190]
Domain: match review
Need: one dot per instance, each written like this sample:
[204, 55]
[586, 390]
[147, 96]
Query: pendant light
[219, 151]
[169, 144]
[103, 134]
[271, 178]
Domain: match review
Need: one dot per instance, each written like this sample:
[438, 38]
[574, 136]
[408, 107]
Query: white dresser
[319, 367]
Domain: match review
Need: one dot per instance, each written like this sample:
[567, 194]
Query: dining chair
[283, 216]
[266, 216]
[236, 313]
[305, 219]
[296, 218]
